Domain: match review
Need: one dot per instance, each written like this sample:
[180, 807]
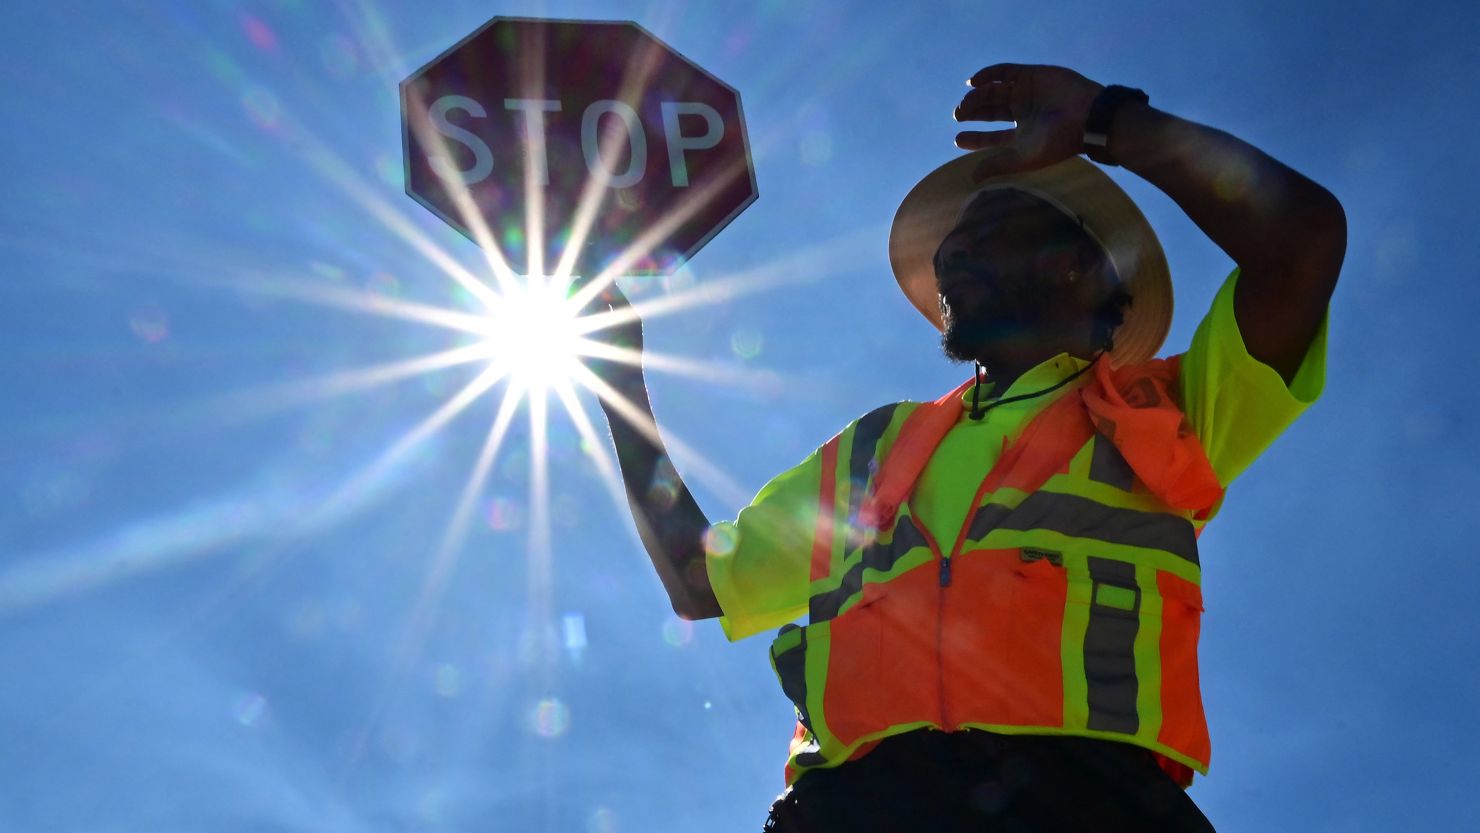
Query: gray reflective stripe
[791, 669]
[1107, 466]
[1109, 649]
[866, 436]
[1081, 517]
[877, 556]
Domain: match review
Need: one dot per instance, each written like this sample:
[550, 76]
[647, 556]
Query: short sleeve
[760, 564]
[1236, 404]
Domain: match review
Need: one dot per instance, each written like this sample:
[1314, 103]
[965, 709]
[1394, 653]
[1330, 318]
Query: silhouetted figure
[1002, 587]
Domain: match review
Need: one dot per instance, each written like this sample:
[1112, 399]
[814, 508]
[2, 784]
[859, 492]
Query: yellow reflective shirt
[1235, 404]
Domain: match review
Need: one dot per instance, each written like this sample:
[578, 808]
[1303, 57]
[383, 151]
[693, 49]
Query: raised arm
[669, 522]
[1286, 233]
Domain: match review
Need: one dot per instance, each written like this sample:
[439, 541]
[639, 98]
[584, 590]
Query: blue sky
[214, 563]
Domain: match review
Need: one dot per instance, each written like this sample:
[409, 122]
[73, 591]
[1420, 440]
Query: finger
[981, 139]
[989, 103]
[998, 73]
[999, 153]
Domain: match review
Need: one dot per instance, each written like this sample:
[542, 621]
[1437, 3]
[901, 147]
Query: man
[1002, 587]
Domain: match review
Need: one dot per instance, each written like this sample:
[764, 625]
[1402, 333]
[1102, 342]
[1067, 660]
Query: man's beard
[969, 341]
[971, 333]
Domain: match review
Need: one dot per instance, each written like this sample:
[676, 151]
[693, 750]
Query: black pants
[934, 782]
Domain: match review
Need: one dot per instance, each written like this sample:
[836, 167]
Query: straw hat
[1075, 186]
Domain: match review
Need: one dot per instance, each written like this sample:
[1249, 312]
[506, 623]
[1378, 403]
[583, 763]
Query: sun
[533, 332]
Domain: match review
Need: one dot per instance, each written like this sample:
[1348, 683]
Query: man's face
[1002, 277]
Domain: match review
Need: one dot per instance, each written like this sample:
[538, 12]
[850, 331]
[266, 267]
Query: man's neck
[1004, 370]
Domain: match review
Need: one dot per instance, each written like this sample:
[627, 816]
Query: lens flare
[549, 718]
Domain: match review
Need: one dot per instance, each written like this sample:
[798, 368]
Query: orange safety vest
[1068, 603]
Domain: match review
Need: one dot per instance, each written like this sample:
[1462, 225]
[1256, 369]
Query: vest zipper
[940, 630]
[940, 662]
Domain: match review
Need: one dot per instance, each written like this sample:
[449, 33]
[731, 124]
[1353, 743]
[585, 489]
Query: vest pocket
[868, 668]
[881, 668]
[1114, 604]
[1184, 726]
[1001, 634]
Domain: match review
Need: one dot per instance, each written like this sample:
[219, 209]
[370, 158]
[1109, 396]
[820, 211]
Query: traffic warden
[1001, 588]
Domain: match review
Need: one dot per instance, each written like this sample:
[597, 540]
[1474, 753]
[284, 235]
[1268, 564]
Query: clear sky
[234, 590]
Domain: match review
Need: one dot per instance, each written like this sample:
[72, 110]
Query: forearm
[669, 520]
[1286, 233]
[1257, 209]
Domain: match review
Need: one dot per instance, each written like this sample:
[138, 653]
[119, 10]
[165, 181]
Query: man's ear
[1056, 264]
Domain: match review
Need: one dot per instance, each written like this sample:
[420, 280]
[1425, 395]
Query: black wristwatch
[1101, 113]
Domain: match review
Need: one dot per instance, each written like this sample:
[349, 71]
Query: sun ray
[266, 399]
[531, 81]
[374, 35]
[586, 430]
[767, 381]
[661, 229]
[680, 213]
[815, 263]
[186, 535]
[377, 36]
[600, 453]
[334, 169]
[367, 477]
[353, 300]
[462, 198]
[538, 552]
[424, 610]
[596, 191]
[706, 472]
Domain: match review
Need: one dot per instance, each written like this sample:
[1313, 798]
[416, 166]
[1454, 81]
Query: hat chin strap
[979, 409]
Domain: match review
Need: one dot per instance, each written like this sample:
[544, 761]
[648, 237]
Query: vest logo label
[1035, 554]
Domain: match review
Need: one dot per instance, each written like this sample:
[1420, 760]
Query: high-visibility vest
[1068, 602]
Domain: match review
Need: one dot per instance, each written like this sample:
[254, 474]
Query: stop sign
[589, 141]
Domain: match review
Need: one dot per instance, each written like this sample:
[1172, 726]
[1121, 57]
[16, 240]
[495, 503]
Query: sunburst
[531, 332]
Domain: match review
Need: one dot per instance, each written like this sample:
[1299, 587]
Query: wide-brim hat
[933, 207]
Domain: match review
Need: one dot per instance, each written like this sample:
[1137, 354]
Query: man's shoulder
[878, 420]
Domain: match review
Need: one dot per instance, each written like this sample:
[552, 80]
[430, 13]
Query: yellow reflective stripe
[1071, 646]
[1148, 654]
[818, 650]
[1119, 598]
[836, 521]
[791, 636]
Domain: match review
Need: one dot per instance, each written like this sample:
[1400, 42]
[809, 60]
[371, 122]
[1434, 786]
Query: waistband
[928, 756]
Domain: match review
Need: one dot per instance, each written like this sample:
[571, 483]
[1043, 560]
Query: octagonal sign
[583, 144]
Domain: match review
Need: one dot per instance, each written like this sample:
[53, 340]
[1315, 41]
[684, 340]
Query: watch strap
[1101, 114]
